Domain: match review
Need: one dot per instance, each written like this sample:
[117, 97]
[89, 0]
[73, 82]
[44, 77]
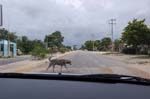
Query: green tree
[37, 42]
[89, 45]
[39, 52]
[63, 49]
[54, 40]
[26, 45]
[105, 43]
[136, 33]
[68, 47]
[82, 47]
[97, 45]
[5, 34]
[92, 45]
[117, 45]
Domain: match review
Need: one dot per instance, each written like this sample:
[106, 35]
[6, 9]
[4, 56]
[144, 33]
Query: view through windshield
[75, 37]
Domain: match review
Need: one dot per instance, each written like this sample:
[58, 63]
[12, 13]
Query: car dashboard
[14, 88]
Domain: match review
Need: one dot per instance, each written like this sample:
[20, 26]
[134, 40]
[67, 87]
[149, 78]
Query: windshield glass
[75, 37]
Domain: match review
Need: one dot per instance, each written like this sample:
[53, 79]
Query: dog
[59, 62]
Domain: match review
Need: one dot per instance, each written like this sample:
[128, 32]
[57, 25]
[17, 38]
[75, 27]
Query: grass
[107, 53]
[142, 57]
[4, 57]
[113, 53]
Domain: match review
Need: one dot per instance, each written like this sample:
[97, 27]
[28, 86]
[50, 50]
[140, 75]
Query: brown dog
[59, 62]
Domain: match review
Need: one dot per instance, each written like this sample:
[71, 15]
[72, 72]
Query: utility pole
[93, 46]
[46, 43]
[1, 15]
[1, 19]
[112, 23]
[93, 42]
[74, 47]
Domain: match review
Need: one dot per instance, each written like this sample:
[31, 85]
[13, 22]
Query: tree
[6, 35]
[26, 45]
[89, 45]
[82, 47]
[105, 43]
[63, 49]
[117, 45]
[39, 52]
[68, 47]
[136, 33]
[97, 45]
[37, 42]
[54, 40]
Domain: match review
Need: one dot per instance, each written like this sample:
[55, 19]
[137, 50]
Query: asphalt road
[92, 59]
[13, 60]
[86, 62]
[83, 62]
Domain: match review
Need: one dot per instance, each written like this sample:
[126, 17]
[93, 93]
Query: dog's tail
[50, 58]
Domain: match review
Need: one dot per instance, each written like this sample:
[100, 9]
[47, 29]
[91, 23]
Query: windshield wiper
[120, 78]
[103, 78]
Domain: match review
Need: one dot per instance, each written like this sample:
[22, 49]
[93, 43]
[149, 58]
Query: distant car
[19, 52]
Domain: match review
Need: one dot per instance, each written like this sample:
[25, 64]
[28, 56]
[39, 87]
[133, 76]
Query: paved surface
[26, 64]
[92, 59]
[83, 62]
[94, 62]
[13, 60]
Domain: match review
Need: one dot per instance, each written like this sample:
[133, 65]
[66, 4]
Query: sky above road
[78, 20]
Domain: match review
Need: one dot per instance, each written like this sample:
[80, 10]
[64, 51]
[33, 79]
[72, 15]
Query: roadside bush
[129, 51]
[63, 50]
[39, 52]
[51, 51]
[144, 52]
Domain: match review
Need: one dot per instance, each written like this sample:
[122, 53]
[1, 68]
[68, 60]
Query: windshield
[75, 37]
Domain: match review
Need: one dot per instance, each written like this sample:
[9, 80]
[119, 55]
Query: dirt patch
[84, 70]
[106, 70]
[28, 69]
[138, 72]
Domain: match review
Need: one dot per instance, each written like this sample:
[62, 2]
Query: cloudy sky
[78, 20]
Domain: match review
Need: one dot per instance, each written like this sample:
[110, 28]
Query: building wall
[14, 49]
[1, 45]
[5, 50]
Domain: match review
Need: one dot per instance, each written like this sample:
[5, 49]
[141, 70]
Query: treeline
[135, 39]
[97, 45]
[23, 43]
[52, 43]
[104, 44]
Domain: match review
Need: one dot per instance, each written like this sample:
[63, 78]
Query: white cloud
[77, 19]
[75, 3]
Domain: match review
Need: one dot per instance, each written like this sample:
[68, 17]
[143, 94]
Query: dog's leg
[49, 66]
[61, 68]
[53, 68]
[66, 68]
